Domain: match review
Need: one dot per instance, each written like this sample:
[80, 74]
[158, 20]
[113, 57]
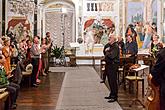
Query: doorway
[60, 24]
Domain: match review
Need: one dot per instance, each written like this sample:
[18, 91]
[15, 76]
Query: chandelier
[22, 7]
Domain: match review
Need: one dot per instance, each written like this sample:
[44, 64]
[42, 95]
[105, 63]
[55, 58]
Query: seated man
[12, 88]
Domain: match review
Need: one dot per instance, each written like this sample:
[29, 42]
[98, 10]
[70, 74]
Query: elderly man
[112, 62]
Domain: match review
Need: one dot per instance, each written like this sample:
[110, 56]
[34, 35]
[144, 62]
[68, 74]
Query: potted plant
[57, 53]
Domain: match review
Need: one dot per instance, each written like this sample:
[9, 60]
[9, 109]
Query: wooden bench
[3, 97]
[28, 72]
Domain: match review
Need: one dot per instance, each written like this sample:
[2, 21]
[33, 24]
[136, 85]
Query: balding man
[111, 52]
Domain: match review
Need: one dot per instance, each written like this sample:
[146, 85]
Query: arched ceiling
[49, 1]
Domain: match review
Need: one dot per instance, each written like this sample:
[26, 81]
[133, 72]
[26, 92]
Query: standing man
[112, 62]
[49, 41]
[35, 55]
[158, 74]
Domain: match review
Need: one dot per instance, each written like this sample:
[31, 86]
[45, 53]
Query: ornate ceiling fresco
[49, 1]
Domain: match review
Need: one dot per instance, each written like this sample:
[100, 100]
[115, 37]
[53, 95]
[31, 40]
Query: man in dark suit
[112, 62]
[158, 74]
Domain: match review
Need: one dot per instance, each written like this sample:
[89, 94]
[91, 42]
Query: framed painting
[135, 12]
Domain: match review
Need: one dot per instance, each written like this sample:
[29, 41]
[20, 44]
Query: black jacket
[113, 54]
[158, 70]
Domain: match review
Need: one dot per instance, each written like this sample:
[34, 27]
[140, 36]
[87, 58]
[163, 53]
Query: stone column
[35, 20]
[159, 18]
[124, 17]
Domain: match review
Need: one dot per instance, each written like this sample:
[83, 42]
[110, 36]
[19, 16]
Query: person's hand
[9, 75]
[107, 49]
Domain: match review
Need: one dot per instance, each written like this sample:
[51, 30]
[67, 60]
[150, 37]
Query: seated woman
[12, 88]
[132, 49]
[155, 45]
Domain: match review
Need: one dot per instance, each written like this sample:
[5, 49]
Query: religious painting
[19, 28]
[135, 11]
[97, 31]
[20, 19]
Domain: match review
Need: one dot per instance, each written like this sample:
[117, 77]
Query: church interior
[81, 54]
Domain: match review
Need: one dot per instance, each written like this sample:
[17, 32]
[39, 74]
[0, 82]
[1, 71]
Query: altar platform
[86, 57]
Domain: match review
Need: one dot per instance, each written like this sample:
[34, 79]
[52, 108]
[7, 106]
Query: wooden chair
[120, 74]
[132, 79]
[135, 78]
[28, 73]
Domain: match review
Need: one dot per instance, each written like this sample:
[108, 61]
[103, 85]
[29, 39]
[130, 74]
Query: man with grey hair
[111, 52]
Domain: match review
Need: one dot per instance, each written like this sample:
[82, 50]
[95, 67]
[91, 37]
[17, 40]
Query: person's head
[155, 37]
[1, 41]
[23, 41]
[12, 46]
[47, 34]
[7, 41]
[154, 24]
[130, 26]
[111, 39]
[129, 39]
[120, 39]
[27, 37]
[28, 42]
[43, 40]
[36, 39]
[20, 45]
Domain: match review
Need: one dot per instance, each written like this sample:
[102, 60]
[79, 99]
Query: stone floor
[81, 90]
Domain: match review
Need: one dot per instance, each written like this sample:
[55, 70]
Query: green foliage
[57, 51]
[154, 51]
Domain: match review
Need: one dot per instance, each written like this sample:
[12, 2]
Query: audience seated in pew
[11, 87]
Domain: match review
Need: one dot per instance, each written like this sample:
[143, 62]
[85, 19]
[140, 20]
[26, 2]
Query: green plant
[57, 51]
